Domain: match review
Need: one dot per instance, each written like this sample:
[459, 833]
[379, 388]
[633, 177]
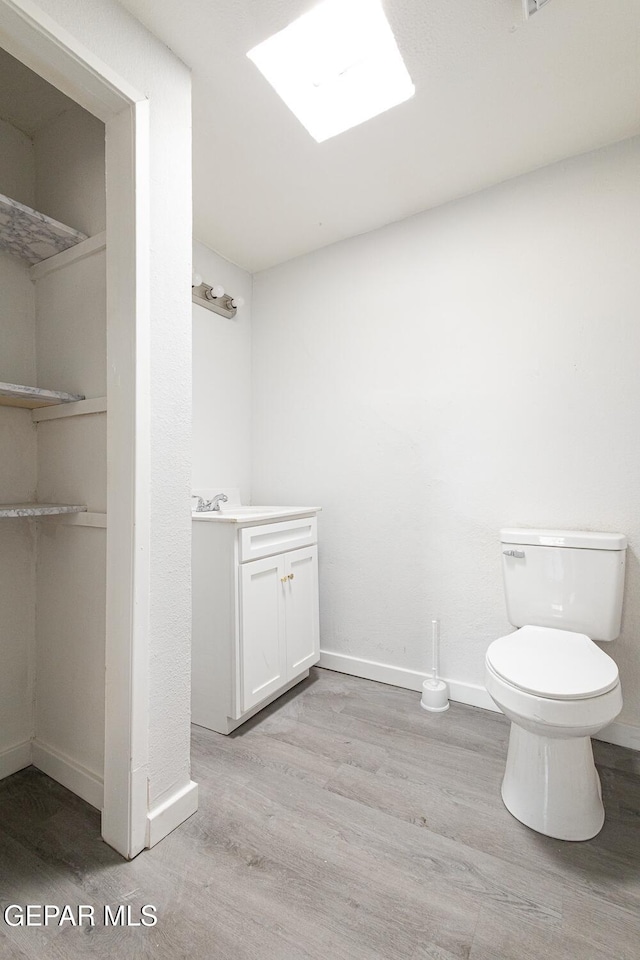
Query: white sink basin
[240, 513]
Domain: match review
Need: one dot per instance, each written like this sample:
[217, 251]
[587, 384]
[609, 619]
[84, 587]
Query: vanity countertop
[240, 513]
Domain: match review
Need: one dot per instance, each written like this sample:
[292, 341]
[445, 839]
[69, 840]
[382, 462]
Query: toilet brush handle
[435, 638]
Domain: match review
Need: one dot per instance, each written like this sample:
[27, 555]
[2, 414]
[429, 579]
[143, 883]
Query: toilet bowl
[557, 696]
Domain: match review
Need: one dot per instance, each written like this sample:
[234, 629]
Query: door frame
[34, 38]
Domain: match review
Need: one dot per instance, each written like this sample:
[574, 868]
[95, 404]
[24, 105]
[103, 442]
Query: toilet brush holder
[435, 696]
[435, 693]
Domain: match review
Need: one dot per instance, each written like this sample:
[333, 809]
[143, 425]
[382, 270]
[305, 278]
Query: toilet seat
[553, 717]
[554, 664]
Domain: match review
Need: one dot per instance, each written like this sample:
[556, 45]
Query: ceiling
[26, 100]
[495, 97]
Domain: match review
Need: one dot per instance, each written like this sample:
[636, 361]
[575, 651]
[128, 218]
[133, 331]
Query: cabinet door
[302, 623]
[262, 630]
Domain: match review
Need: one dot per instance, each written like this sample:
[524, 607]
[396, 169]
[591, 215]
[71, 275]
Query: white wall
[127, 48]
[17, 323]
[61, 171]
[222, 381]
[17, 164]
[72, 468]
[473, 367]
[17, 537]
[17, 300]
[18, 460]
[53, 334]
[69, 154]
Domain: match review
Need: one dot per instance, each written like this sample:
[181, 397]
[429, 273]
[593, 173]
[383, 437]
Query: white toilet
[563, 590]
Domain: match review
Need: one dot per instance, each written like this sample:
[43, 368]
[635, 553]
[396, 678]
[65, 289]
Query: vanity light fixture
[336, 66]
[530, 7]
[213, 297]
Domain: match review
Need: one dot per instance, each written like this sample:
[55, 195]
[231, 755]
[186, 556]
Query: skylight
[336, 66]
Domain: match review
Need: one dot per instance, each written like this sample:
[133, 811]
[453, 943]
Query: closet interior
[53, 431]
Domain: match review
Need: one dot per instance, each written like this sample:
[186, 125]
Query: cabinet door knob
[291, 576]
[283, 579]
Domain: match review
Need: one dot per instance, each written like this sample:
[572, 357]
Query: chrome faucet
[209, 506]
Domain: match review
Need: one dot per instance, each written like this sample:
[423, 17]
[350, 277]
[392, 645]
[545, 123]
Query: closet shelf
[38, 509]
[18, 395]
[33, 236]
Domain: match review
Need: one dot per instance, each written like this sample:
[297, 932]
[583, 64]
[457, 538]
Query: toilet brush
[435, 693]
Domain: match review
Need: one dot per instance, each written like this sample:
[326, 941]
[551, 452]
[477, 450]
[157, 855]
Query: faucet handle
[206, 506]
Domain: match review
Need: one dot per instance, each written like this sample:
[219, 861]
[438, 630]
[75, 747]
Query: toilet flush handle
[514, 553]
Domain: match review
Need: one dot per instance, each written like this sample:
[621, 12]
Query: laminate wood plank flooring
[341, 823]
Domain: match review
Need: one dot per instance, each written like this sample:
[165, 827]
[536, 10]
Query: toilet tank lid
[582, 539]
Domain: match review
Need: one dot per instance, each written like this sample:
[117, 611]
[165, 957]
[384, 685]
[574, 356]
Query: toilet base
[552, 785]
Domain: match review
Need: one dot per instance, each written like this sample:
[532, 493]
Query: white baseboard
[15, 758]
[622, 734]
[71, 774]
[469, 693]
[161, 819]
[475, 695]
[171, 812]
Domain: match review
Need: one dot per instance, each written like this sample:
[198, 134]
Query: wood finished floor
[342, 823]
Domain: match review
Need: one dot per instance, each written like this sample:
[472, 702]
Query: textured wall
[222, 381]
[473, 367]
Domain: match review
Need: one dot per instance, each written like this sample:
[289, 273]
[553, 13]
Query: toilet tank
[567, 579]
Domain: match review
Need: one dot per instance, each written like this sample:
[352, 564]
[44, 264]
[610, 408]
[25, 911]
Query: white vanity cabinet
[255, 614]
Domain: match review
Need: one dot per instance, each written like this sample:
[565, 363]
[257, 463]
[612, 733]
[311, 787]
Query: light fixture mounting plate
[529, 7]
[221, 305]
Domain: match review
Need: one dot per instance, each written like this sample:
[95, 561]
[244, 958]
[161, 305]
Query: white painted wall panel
[470, 368]
[17, 628]
[70, 647]
[71, 341]
[69, 155]
[17, 165]
[72, 462]
[17, 322]
[17, 464]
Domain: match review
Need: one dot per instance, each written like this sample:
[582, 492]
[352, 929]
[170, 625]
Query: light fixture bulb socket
[214, 292]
